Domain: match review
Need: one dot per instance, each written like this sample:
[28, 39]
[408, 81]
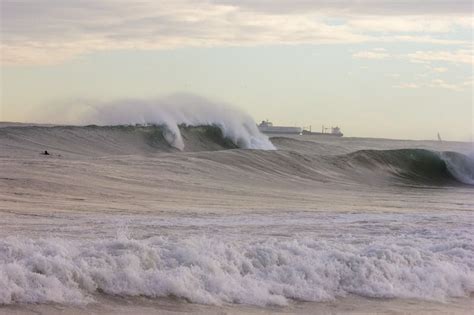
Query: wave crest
[171, 112]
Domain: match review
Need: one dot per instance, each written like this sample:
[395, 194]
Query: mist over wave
[170, 112]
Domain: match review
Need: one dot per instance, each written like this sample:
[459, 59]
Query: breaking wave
[96, 140]
[415, 165]
[170, 112]
[210, 271]
[460, 166]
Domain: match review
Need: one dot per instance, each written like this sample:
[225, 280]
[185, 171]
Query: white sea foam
[213, 271]
[170, 111]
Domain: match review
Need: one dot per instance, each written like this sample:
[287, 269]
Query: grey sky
[411, 51]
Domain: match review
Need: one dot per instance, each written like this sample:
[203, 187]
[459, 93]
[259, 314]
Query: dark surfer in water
[45, 153]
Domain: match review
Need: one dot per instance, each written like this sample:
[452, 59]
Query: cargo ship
[267, 127]
[325, 131]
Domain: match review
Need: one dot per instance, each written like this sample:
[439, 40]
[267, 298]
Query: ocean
[135, 219]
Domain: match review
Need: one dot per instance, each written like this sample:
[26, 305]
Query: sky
[394, 69]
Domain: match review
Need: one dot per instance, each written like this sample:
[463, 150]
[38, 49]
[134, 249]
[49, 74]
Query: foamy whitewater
[194, 205]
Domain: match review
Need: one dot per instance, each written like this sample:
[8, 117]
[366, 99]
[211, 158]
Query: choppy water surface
[118, 213]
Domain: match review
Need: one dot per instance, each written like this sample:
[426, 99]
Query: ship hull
[280, 130]
[305, 132]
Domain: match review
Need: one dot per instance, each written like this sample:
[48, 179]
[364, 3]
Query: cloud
[439, 69]
[424, 39]
[437, 84]
[459, 56]
[366, 7]
[410, 24]
[407, 86]
[51, 31]
[375, 54]
[469, 83]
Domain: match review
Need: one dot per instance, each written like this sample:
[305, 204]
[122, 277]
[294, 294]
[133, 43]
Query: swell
[408, 167]
[400, 166]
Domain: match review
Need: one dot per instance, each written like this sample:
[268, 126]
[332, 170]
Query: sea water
[117, 219]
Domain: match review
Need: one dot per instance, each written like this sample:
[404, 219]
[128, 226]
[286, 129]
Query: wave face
[415, 165]
[211, 271]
